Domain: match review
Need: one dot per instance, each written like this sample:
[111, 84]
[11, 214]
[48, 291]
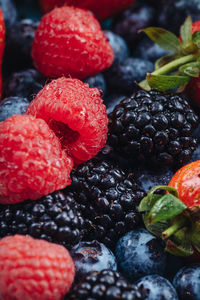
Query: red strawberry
[2, 45]
[76, 114]
[176, 216]
[101, 8]
[32, 163]
[69, 41]
[32, 269]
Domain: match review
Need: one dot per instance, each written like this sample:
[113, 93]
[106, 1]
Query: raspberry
[102, 9]
[76, 114]
[34, 269]
[69, 41]
[32, 163]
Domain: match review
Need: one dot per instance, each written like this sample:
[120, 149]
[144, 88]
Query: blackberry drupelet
[104, 285]
[154, 127]
[55, 218]
[108, 200]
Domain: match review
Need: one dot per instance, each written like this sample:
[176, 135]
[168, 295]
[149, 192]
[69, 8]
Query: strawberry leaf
[196, 38]
[186, 31]
[147, 202]
[180, 244]
[164, 38]
[164, 60]
[190, 69]
[165, 82]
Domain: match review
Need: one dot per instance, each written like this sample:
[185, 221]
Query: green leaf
[164, 60]
[166, 82]
[144, 85]
[196, 236]
[180, 243]
[164, 38]
[196, 38]
[191, 69]
[147, 202]
[166, 208]
[156, 228]
[186, 31]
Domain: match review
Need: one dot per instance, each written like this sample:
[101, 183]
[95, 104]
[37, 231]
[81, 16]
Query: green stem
[172, 229]
[174, 64]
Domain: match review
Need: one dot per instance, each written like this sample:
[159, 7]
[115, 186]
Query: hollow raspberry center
[66, 135]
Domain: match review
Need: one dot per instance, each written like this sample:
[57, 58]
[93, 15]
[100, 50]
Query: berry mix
[100, 150]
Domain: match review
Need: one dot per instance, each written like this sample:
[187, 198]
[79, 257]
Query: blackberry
[25, 83]
[108, 200]
[104, 285]
[55, 218]
[112, 100]
[154, 127]
[11, 106]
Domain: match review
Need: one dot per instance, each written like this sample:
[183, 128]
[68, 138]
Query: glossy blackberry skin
[177, 11]
[139, 253]
[55, 218]
[148, 50]
[25, 83]
[11, 106]
[92, 256]
[9, 12]
[154, 127]
[97, 81]
[187, 281]
[138, 16]
[121, 77]
[157, 288]
[19, 37]
[108, 199]
[119, 46]
[104, 285]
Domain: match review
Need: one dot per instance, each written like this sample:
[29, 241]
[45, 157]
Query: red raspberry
[2, 45]
[69, 41]
[101, 8]
[33, 269]
[32, 163]
[76, 114]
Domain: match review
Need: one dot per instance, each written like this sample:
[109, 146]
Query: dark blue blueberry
[148, 50]
[157, 288]
[92, 256]
[25, 84]
[137, 17]
[139, 253]
[196, 155]
[19, 37]
[121, 77]
[112, 100]
[197, 133]
[9, 12]
[119, 46]
[97, 81]
[11, 106]
[187, 283]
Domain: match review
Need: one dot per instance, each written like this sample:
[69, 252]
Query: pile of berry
[99, 150]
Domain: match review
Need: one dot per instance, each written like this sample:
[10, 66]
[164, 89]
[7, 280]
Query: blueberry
[187, 282]
[112, 100]
[121, 77]
[97, 81]
[19, 37]
[149, 50]
[9, 12]
[11, 106]
[131, 20]
[92, 256]
[25, 84]
[119, 46]
[157, 288]
[196, 155]
[139, 253]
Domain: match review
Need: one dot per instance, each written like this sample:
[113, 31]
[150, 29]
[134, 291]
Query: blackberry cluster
[55, 218]
[108, 200]
[154, 127]
[104, 285]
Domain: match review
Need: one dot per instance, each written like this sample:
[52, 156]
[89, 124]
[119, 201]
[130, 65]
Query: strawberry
[69, 41]
[2, 45]
[101, 8]
[175, 217]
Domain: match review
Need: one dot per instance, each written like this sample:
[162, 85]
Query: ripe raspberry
[2, 45]
[102, 9]
[69, 41]
[76, 114]
[32, 163]
[34, 269]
